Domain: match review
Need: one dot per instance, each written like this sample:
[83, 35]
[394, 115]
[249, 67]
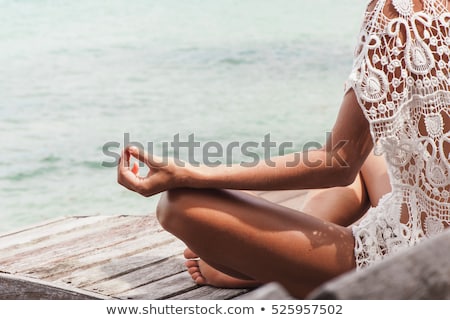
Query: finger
[125, 176]
[124, 162]
[149, 159]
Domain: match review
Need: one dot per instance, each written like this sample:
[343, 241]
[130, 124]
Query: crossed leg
[340, 205]
[249, 238]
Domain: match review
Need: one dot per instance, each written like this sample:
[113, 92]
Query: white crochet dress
[401, 78]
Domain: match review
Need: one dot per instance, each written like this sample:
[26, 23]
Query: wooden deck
[105, 257]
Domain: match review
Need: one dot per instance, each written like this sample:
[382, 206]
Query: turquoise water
[78, 74]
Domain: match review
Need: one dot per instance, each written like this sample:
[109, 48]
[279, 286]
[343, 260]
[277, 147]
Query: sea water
[77, 78]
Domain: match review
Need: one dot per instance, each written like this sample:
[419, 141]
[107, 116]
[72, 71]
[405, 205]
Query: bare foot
[203, 274]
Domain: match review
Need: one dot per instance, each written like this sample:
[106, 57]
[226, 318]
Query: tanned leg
[246, 236]
[340, 205]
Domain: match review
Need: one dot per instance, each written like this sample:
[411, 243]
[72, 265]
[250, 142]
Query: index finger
[149, 159]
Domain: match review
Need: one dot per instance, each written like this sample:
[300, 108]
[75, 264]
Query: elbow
[345, 176]
[345, 171]
[345, 164]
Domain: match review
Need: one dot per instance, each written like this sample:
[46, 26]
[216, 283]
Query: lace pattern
[401, 79]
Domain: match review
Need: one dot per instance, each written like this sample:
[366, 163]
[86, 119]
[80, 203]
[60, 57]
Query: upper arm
[352, 132]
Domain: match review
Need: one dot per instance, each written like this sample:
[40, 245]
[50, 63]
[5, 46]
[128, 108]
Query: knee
[171, 208]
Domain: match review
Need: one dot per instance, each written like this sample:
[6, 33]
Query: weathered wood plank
[270, 291]
[209, 293]
[88, 240]
[160, 269]
[165, 288]
[179, 286]
[120, 266]
[45, 231]
[23, 288]
[82, 260]
[35, 226]
[55, 235]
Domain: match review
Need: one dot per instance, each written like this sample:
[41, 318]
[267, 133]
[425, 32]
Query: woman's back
[402, 81]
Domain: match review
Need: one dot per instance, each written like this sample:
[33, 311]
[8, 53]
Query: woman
[397, 100]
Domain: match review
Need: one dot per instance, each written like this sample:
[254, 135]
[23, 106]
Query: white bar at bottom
[236, 309]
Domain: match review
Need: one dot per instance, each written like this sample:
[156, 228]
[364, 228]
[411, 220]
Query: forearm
[315, 169]
[337, 164]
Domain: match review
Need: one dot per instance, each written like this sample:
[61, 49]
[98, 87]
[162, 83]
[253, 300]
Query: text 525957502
[306, 309]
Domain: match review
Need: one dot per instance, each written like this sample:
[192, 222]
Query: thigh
[340, 205]
[258, 238]
[376, 178]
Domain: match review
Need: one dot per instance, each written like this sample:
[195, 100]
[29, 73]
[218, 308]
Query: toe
[189, 254]
[193, 270]
[195, 275]
[191, 263]
[200, 280]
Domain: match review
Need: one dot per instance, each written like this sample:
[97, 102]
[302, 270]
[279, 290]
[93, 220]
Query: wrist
[189, 176]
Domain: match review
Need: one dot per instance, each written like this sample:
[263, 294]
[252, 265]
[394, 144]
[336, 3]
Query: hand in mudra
[162, 175]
